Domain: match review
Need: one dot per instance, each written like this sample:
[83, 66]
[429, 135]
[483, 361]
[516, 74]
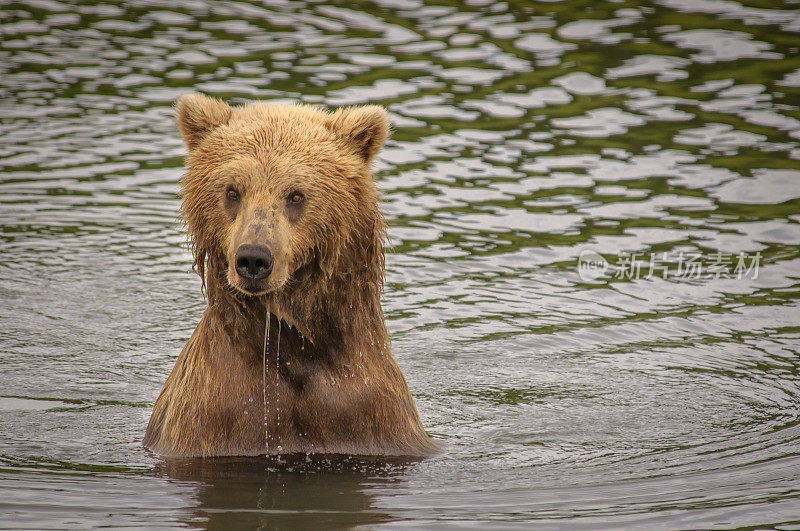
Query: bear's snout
[253, 262]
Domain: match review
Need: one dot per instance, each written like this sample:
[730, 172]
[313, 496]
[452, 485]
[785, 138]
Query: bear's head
[275, 192]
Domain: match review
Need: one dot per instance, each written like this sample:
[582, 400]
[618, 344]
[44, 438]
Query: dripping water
[277, 374]
[264, 382]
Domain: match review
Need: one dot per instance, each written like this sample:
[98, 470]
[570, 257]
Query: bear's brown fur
[296, 180]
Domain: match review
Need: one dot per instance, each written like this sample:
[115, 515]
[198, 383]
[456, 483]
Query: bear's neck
[335, 327]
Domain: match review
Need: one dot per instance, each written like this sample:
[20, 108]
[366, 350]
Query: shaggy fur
[332, 385]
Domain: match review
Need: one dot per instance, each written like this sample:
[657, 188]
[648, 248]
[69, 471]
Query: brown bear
[292, 354]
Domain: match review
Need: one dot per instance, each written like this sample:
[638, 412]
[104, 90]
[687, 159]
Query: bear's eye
[232, 194]
[295, 198]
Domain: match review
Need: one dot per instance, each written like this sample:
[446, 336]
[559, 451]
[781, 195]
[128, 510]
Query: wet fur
[335, 387]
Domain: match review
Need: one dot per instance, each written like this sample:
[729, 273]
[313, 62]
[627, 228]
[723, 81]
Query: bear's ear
[365, 128]
[197, 115]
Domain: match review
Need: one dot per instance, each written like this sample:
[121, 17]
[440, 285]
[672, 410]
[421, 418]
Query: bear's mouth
[254, 289]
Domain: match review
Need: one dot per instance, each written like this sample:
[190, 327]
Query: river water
[636, 133]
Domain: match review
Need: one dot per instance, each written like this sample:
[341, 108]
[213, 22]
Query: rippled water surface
[525, 133]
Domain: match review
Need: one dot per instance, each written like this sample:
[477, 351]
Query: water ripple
[524, 134]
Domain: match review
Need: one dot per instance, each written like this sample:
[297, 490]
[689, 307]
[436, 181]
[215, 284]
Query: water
[524, 135]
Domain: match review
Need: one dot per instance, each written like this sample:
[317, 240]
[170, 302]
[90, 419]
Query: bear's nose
[253, 262]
